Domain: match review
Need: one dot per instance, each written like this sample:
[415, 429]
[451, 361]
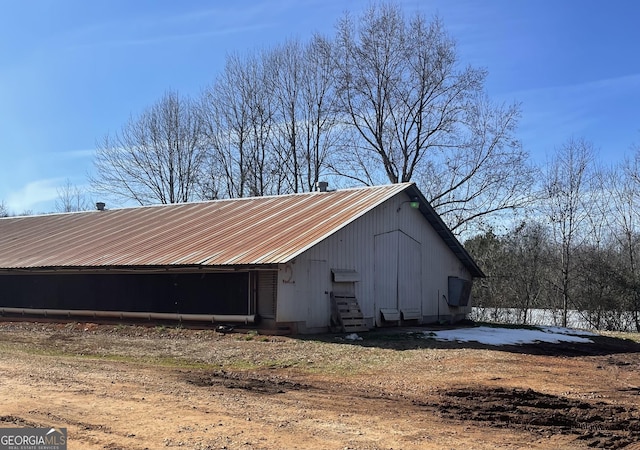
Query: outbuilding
[350, 259]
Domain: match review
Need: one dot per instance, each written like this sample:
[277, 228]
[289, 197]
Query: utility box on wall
[459, 291]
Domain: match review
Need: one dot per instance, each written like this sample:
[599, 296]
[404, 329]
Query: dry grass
[125, 386]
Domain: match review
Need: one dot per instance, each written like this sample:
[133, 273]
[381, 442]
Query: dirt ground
[133, 387]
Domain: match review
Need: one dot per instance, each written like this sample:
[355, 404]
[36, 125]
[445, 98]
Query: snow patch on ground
[561, 330]
[353, 337]
[510, 336]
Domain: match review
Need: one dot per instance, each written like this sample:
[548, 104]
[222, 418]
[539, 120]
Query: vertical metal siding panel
[438, 261]
[286, 308]
[386, 263]
[365, 254]
[312, 282]
[381, 220]
[318, 303]
[367, 293]
[436, 265]
[300, 300]
[307, 301]
[409, 273]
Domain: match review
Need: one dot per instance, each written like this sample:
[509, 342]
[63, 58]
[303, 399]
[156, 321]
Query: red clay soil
[131, 387]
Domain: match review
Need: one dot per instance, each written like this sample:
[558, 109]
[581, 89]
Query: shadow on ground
[417, 338]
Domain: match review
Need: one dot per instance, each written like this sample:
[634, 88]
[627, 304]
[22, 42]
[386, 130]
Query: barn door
[409, 274]
[398, 273]
[386, 273]
[318, 296]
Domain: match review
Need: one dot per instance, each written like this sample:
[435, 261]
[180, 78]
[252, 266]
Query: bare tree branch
[156, 157]
[71, 198]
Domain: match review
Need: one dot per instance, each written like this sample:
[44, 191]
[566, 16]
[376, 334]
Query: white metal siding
[317, 292]
[397, 272]
[385, 273]
[290, 308]
[355, 247]
[409, 273]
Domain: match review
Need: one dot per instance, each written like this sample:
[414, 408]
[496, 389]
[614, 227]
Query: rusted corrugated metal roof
[247, 231]
[221, 233]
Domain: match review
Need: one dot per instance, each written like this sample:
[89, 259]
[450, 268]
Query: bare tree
[305, 120]
[485, 175]
[517, 264]
[239, 115]
[226, 126]
[384, 100]
[491, 253]
[4, 211]
[632, 171]
[421, 117]
[530, 258]
[321, 132]
[257, 88]
[621, 214]
[286, 138]
[568, 186]
[156, 157]
[71, 198]
[270, 120]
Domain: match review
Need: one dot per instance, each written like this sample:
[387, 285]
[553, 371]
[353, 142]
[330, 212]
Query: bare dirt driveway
[132, 387]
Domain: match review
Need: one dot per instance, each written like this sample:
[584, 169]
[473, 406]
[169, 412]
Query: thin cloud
[76, 154]
[578, 109]
[159, 28]
[258, 9]
[33, 194]
[178, 37]
[604, 86]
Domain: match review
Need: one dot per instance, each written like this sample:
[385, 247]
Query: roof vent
[100, 206]
[322, 186]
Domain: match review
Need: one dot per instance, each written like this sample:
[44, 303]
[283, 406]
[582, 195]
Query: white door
[385, 284]
[318, 282]
[398, 272]
[409, 273]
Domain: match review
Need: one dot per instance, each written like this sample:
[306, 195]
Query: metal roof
[233, 232]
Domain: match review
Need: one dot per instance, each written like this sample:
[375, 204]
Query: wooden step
[347, 314]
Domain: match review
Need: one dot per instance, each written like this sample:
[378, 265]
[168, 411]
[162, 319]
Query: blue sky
[73, 70]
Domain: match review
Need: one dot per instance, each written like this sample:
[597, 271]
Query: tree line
[576, 250]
